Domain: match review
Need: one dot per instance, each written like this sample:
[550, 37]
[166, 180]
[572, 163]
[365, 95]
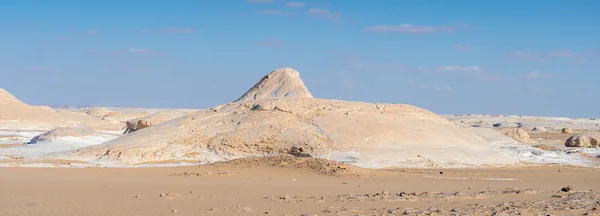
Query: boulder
[585, 141]
[517, 134]
[566, 131]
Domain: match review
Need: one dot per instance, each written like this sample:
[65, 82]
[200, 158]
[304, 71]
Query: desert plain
[277, 150]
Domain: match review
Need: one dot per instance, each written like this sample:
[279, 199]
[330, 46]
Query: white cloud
[356, 63]
[413, 29]
[272, 43]
[260, 1]
[463, 47]
[582, 57]
[562, 53]
[140, 51]
[294, 4]
[539, 89]
[39, 69]
[430, 87]
[526, 56]
[468, 70]
[92, 32]
[538, 75]
[131, 51]
[276, 12]
[323, 13]
[478, 73]
[171, 30]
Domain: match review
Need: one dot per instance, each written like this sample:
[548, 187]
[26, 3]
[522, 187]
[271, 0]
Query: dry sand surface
[269, 186]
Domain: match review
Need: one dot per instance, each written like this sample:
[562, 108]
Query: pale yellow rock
[123, 116]
[93, 122]
[284, 82]
[517, 134]
[567, 131]
[383, 135]
[98, 112]
[154, 119]
[279, 113]
[16, 115]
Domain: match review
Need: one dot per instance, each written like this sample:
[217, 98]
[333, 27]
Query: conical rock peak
[283, 82]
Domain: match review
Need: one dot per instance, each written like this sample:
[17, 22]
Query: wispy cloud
[583, 56]
[39, 69]
[260, 1]
[294, 4]
[354, 62]
[272, 43]
[171, 30]
[463, 47]
[92, 32]
[323, 13]
[414, 29]
[140, 51]
[461, 70]
[539, 89]
[538, 75]
[130, 51]
[275, 12]
[527, 56]
[480, 74]
[430, 87]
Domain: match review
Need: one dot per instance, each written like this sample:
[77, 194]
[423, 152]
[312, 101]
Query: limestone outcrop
[280, 83]
[517, 134]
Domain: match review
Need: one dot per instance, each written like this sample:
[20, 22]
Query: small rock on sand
[567, 188]
[566, 131]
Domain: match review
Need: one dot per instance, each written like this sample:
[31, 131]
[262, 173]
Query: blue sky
[461, 56]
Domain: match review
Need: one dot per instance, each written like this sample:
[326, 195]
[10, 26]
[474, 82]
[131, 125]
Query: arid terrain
[277, 150]
[298, 186]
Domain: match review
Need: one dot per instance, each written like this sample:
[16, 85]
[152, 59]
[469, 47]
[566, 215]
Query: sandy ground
[296, 186]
